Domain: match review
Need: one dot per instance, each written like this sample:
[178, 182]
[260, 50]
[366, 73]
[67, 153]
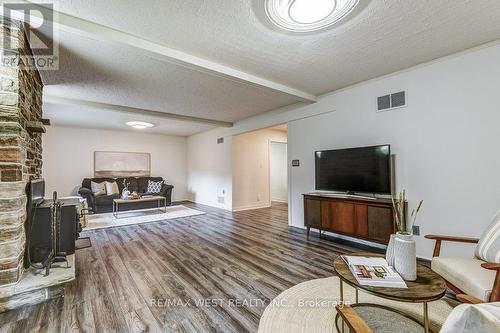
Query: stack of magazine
[373, 271]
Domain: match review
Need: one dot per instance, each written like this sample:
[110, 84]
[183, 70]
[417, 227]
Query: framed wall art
[121, 164]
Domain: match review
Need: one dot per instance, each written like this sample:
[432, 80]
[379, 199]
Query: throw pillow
[154, 187]
[98, 188]
[112, 188]
[488, 248]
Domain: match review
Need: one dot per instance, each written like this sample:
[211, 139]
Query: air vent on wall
[391, 101]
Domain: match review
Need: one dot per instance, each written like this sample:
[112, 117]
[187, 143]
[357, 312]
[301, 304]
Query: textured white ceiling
[386, 36]
[85, 117]
[118, 74]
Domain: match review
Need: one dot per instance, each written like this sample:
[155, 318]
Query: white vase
[405, 256]
[389, 254]
[125, 194]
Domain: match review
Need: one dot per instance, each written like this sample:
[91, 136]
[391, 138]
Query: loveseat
[104, 203]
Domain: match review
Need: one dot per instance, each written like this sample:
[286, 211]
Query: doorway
[259, 169]
[278, 172]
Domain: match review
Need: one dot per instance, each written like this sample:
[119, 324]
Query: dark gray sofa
[104, 203]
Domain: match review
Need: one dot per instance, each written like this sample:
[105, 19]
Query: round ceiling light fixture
[308, 15]
[139, 124]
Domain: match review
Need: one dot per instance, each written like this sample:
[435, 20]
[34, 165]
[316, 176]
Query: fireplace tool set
[55, 255]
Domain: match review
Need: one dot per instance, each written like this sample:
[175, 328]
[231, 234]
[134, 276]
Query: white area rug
[297, 310]
[108, 220]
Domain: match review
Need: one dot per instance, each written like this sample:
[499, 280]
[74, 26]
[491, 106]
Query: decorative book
[374, 271]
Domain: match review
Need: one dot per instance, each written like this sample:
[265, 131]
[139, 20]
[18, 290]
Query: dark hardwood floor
[207, 273]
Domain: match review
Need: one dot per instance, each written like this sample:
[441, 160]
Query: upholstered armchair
[475, 279]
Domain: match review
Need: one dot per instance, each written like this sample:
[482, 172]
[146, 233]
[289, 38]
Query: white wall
[250, 168]
[209, 169]
[279, 171]
[446, 141]
[68, 156]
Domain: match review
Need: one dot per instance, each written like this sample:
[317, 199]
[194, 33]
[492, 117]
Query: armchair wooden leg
[495, 293]
[437, 248]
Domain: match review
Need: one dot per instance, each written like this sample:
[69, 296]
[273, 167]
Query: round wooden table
[428, 287]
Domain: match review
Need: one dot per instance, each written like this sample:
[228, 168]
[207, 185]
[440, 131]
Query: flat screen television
[354, 170]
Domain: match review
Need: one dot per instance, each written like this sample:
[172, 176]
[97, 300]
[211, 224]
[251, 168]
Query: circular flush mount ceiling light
[139, 124]
[308, 15]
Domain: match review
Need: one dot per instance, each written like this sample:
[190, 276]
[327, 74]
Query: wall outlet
[416, 230]
[221, 195]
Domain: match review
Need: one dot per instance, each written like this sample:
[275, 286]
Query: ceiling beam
[137, 111]
[97, 31]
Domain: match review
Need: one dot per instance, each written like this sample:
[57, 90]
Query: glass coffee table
[428, 287]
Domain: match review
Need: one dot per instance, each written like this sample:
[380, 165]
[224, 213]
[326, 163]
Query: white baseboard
[249, 207]
[209, 204]
[180, 200]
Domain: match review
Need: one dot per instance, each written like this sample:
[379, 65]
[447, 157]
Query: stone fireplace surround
[21, 132]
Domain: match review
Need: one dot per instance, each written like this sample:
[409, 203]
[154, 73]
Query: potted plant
[401, 250]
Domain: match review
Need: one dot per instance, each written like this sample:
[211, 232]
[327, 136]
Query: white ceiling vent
[392, 101]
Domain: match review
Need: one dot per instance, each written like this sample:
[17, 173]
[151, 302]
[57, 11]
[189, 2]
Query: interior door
[278, 172]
